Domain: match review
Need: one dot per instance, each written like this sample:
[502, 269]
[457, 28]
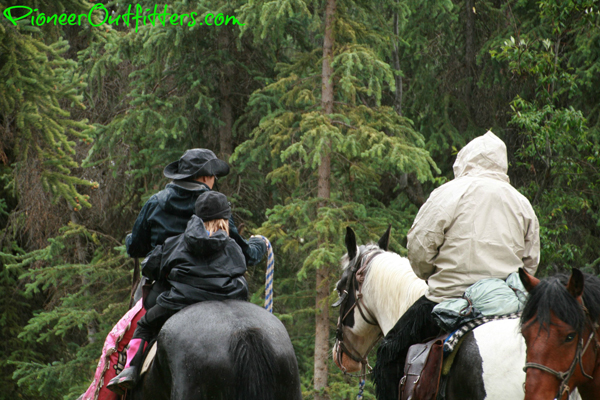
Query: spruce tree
[409, 83]
[325, 142]
[39, 140]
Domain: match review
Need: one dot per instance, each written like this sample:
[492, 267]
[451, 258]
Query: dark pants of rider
[157, 289]
[148, 327]
[417, 325]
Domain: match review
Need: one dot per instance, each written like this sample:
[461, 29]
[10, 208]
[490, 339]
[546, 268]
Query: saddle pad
[114, 345]
[449, 358]
[149, 358]
[453, 339]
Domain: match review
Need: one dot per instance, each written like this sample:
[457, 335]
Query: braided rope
[361, 388]
[269, 275]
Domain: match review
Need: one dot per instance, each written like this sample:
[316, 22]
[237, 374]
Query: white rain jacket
[474, 227]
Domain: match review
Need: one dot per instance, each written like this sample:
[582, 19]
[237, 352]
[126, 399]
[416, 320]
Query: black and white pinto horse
[222, 350]
[489, 363]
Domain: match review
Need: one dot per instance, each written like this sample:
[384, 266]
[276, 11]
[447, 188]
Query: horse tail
[253, 356]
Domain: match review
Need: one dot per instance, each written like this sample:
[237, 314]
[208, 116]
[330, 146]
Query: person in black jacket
[201, 264]
[167, 212]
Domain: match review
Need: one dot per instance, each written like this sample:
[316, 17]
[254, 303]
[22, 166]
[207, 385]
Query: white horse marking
[503, 376]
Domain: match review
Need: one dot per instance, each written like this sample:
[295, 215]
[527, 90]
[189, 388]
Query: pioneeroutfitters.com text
[135, 15]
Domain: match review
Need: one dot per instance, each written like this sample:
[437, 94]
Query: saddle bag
[422, 371]
[486, 297]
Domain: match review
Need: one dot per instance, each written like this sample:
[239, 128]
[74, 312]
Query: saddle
[428, 363]
[423, 370]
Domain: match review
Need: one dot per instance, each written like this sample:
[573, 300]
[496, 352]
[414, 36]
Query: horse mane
[551, 295]
[388, 272]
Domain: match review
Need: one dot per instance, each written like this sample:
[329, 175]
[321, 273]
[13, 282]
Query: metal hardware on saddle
[422, 370]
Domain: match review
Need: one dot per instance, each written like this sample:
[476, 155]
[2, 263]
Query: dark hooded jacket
[198, 267]
[167, 213]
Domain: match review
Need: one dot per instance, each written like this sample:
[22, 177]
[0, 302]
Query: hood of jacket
[199, 243]
[484, 156]
[179, 198]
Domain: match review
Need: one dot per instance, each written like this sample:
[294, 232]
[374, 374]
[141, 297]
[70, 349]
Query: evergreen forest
[331, 113]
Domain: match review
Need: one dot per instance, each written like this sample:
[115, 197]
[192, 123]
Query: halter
[353, 285]
[565, 376]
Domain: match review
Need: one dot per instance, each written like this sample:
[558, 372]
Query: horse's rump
[224, 350]
[253, 353]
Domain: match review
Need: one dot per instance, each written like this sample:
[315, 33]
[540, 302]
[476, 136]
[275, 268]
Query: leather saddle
[423, 370]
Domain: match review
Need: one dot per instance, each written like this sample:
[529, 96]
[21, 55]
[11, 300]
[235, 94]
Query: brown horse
[560, 326]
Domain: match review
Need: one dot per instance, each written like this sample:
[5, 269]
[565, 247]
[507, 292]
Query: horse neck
[390, 288]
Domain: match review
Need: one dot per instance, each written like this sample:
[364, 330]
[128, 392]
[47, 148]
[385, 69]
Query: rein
[353, 285]
[565, 376]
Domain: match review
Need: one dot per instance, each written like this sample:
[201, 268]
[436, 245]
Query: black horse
[222, 350]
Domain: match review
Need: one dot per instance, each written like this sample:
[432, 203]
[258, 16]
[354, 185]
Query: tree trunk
[398, 77]
[470, 52]
[409, 183]
[81, 259]
[322, 282]
[225, 84]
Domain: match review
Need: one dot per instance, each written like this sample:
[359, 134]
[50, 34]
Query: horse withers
[222, 350]
[376, 289]
[560, 326]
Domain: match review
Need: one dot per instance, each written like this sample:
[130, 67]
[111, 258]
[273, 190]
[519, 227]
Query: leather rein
[353, 284]
[565, 376]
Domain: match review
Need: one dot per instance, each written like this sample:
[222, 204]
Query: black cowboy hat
[196, 161]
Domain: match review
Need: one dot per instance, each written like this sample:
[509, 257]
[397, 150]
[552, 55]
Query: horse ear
[384, 242]
[350, 243]
[529, 281]
[575, 285]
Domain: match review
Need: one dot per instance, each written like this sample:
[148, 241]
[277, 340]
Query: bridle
[354, 285]
[565, 376]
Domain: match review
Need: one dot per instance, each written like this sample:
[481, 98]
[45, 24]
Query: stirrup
[125, 380]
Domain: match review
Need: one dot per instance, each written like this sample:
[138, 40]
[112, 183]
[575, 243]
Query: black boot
[129, 377]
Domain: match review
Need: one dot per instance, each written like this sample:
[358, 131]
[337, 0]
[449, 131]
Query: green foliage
[80, 105]
[172, 99]
[85, 298]
[557, 146]
[35, 80]
[363, 138]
